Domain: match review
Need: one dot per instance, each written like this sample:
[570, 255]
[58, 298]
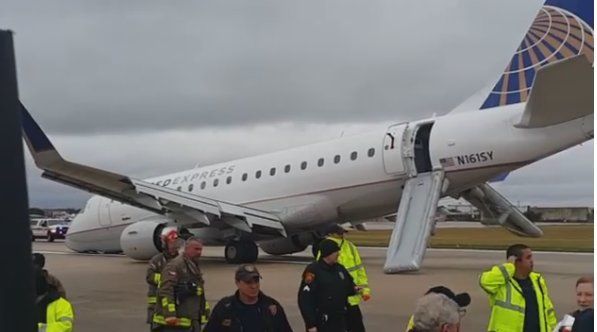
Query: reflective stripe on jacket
[59, 317]
[351, 260]
[507, 300]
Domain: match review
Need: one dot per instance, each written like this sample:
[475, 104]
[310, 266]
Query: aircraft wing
[140, 193]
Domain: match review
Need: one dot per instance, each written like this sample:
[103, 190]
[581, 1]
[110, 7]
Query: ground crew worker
[518, 296]
[53, 313]
[351, 260]
[39, 261]
[248, 310]
[462, 300]
[181, 297]
[170, 246]
[324, 291]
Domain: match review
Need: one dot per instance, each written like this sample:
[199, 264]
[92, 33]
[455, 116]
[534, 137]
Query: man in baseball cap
[249, 309]
[461, 299]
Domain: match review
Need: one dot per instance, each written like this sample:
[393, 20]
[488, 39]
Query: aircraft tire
[244, 251]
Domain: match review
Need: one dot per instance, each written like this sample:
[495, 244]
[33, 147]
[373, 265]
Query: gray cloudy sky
[147, 87]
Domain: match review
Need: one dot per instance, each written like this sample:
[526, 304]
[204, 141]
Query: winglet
[39, 144]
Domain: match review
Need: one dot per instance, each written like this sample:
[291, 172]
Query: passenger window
[337, 159]
[272, 171]
[353, 155]
[44, 224]
[304, 165]
[286, 168]
[245, 175]
[371, 152]
[228, 180]
[216, 181]
[190, 187]
[320, 162]
[257, 174]
[203, 185]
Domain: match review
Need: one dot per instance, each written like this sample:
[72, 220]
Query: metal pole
[16, 278]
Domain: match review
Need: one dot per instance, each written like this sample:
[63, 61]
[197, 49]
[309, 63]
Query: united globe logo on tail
[561, 30]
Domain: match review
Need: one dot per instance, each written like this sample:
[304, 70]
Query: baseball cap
[247, 272]
[462, 299]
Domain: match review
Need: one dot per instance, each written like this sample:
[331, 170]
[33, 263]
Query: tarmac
[108, 292]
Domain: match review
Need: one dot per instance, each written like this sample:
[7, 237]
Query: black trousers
[354, 319]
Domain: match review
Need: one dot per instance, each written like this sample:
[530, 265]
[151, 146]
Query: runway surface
[109, 291]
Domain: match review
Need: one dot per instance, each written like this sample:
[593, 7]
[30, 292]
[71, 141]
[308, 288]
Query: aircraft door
[393, 149]
[104, 212]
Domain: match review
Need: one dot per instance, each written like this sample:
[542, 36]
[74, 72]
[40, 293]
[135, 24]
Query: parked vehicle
[49, 229]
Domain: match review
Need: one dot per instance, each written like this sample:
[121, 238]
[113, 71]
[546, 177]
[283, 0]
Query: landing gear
[241, 251]
[315, 246]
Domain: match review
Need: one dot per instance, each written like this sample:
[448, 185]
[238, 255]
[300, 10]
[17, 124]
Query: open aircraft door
[415, 218]
[393, 149]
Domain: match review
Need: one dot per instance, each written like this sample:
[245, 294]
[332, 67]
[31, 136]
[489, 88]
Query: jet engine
[288, 245]
[141, 240]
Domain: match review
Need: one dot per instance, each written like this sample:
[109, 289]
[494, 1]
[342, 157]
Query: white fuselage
[472, 148]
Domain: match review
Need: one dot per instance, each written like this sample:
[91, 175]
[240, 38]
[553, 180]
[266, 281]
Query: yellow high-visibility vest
[59, 317]
[507, 300]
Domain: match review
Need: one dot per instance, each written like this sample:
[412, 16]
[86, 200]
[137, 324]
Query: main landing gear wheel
[243, 251]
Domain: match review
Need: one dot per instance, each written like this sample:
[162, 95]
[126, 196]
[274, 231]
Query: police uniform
[324, 291]
[232, 315]
[181, 295]
[351, 260]
[153, 277]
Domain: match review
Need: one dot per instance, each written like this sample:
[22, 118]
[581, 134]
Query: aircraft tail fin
[563, 29]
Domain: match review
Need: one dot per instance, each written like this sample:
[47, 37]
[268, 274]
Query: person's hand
[313, 329]
[366, 297]
[171, 321]
[512, 259]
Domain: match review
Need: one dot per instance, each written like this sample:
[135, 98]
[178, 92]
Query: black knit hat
[462, 299]
[328, 247]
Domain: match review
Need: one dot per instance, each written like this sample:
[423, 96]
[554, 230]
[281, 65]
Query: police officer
[248, 310]
[170, 246]
[351, 260]
[181, 298]
[518, 296]
[39, 261]
[324, 291]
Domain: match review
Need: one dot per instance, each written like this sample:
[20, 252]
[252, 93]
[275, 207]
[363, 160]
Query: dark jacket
[583, 320]
[323, 293]
[224, 317]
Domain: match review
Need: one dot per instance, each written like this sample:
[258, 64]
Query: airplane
[282, 201]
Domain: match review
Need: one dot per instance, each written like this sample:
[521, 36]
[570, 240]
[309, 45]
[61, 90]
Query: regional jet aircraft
[541, 104]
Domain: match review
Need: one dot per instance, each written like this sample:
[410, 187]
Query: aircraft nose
[72, 240]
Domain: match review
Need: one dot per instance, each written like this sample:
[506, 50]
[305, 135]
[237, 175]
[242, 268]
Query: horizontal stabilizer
[497, 210]
[563, 91]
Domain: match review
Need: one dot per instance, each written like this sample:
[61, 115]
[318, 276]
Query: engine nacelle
[142, 240]
[289, 245]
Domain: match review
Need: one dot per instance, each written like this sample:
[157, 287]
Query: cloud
[151, 87]
[107, 66]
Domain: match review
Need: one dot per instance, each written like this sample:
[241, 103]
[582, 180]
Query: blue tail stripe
[513, 82]
[580, 8]
[38, 140]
